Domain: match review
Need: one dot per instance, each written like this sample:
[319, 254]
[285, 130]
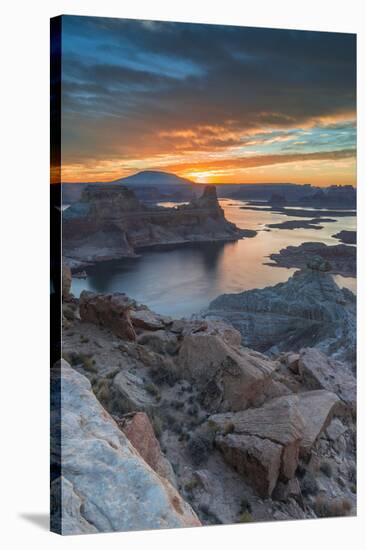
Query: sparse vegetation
[164, 375]
[200, 446]
[245, 517]
[245, 505]
[326, 469]
[191, 485]
[102, 390]
[157, 424]
[309, 485]
[228, 428]
[152, 389]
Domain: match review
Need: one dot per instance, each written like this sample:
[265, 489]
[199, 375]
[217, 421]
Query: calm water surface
[181, 281]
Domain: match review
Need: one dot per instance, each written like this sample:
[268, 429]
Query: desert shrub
[68, 312]
[157, 424]
[101, 389]
[88, 363]
[152, 389]
[326, 469]
[191, 485]
[341, 483]
[200, 446]
[335, 507]
[245, 505]
[245, 517]
[352, 474]
[301, 471]
[177, 404]
[228, 428]
[164, 374]
[112, 373]
[309, 485]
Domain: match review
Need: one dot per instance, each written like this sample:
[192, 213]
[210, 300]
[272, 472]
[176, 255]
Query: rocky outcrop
[321, 372]
[317, 408]
[278, 421]
[237, 426]
[106, 485]
[307, 310]
[265, 443]
[131, 392]
[342, 258]
[231, 377]
[140, 432]
[255, 458]
[109, 222]
[108, 310]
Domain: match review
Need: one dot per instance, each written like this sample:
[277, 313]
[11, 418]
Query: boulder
[137, 427]
[317, 409]
[146, 320]
[112, 488]
[278, 421]
[321, 372]
[131, 393]
[257, 460]
[108, 310]
[232, 378]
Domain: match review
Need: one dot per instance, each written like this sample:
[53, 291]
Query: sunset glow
[245, 105]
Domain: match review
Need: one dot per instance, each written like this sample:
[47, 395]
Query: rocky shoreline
[179, 423]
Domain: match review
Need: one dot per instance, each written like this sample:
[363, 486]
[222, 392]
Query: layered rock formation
[110, 222]
[307, 310]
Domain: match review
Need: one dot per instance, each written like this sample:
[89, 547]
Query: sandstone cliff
[110, 222]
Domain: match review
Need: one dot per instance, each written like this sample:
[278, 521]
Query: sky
[214, 104]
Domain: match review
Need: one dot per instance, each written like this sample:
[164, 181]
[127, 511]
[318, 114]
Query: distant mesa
[154, 177]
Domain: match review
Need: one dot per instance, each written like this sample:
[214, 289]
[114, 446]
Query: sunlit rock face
[105, 484]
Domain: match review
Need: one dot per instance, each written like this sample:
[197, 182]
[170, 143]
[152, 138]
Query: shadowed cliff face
[110, 222]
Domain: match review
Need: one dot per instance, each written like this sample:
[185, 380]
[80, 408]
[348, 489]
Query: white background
[24, 179]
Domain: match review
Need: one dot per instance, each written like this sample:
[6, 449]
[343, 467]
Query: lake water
[179, 281]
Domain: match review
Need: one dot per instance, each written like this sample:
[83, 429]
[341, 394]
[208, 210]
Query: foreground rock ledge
[105, 483]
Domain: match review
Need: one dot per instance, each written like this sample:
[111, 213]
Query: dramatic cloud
[139, 95]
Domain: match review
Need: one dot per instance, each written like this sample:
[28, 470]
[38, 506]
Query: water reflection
[182, 280]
